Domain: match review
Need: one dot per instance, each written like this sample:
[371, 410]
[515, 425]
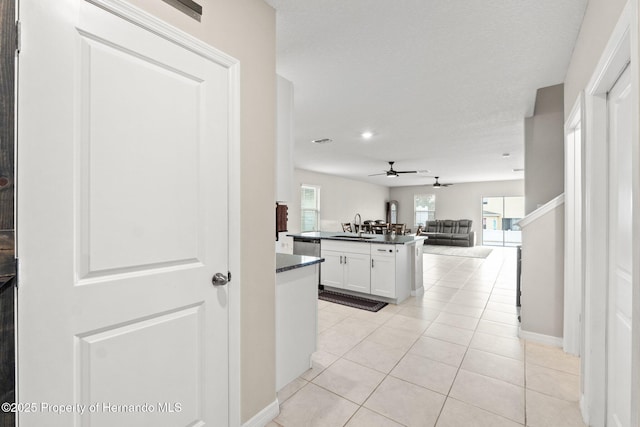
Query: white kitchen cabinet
[380, 270]
[332, 269]
[346, 266]
[383, 270]
[357, 274]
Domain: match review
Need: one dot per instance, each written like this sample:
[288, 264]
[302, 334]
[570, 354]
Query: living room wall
[340, 200]
[459, 201]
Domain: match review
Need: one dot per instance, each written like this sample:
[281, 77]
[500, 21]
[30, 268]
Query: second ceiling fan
[437, 183]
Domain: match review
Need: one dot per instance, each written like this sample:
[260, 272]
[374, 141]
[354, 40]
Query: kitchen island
[296, 315]
[378, 266]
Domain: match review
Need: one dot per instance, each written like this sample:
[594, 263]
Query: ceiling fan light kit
[366, 135]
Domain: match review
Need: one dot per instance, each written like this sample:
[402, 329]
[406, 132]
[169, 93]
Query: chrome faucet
[358, 224]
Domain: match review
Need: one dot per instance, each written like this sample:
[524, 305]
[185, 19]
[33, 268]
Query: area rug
[350, 300]
[472, 252]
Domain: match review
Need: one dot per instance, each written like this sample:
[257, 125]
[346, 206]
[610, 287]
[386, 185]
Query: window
[309, 208]
[424, 208]
[500, 216]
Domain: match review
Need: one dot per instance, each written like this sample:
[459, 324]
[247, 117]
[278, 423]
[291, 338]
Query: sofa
[449, 232]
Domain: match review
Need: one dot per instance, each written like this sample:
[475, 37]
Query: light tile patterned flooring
[448, 358]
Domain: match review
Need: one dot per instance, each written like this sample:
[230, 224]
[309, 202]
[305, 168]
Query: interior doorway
[611, 356]
[500, 216]
[620, 288]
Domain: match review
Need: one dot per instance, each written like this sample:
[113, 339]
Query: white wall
[544, 149]
[340, 200]
[542, 283]
[284, 155]
[599, 19]
[460, 201]
[284, 140]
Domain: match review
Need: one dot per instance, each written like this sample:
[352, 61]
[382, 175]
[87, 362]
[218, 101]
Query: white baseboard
[418, 292]
[540, 338]
[265, 416]
[583, 410]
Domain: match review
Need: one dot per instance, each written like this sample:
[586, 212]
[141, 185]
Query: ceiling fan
[392, 173]
[438, 185]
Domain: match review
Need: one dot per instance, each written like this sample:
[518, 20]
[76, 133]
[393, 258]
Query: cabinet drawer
[383, 250]
[351, 247]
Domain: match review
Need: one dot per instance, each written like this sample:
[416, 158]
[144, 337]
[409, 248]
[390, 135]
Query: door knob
[219, 279]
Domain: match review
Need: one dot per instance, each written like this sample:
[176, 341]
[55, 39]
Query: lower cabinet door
[383, 276]
[357, 273]
[332, 269]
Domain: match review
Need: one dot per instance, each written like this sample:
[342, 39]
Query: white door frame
[621, 48]
[574, 230]
[147, 21]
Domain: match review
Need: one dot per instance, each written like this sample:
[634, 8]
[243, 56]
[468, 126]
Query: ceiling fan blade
[406, 171]
[378, 174]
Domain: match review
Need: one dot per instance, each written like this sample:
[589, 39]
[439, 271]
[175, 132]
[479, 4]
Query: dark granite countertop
[286, 262]
[366, 238]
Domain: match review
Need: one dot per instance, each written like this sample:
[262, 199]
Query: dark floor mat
[351, 301]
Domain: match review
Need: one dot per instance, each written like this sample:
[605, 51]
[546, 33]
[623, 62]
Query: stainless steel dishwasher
[307, 246]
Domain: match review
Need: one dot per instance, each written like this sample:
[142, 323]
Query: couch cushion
[431, 226]
[464, 236]
[448, 226]
[464, 226]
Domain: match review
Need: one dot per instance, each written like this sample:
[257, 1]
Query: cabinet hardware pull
[340, 259]
[371, 263]
[382, 250]
[345, 259]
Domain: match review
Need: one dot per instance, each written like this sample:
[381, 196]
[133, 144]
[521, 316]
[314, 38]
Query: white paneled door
[124, 127]
[619, 106]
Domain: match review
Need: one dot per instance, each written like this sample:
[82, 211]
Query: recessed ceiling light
[322, 141]
[366, 135]
[505, 155]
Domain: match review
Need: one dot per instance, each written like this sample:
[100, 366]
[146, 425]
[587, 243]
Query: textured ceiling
[444, 85]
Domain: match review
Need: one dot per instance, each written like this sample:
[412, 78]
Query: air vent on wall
[188, 7]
